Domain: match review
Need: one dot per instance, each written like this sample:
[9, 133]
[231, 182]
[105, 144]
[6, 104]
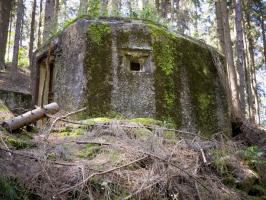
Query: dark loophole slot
[134, 66]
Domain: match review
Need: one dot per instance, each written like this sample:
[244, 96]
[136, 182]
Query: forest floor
[21, 82]
[104, 158]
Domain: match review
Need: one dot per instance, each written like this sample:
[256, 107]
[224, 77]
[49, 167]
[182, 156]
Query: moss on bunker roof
[175, 34]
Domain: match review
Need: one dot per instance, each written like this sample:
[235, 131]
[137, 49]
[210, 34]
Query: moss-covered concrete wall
[177, 80]
[188, 88]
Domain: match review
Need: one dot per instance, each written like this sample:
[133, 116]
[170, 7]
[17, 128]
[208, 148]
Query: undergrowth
[12, 190]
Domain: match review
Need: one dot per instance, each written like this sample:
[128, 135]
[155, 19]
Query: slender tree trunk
[56, 12]
[166, 8]
[9, 36]
[40, 25]
[22, 28]
[20, 9]
[251, 72]
[83, 7]
[50, 18]
[158, 6]
[104, 6]
[237, 114]
[220, 30]
[240, 55]
[128, 7]
[263, 36]
[32, 30]
[5, 10]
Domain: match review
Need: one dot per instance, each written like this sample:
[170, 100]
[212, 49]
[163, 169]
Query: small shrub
[253, 156]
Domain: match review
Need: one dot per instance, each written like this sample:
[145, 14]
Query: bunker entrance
[45, 89]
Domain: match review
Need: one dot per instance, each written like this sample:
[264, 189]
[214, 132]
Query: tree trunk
[40, 25]
[5, 10]
[263, 36]
[30, 117]
[158, 6]
[32, 30]
[20, 10]
[166, 8]
[251, 72]
[240, 55]
[104, 6]
[220, 30]
[236, 110]
[83, 7]
[50, 18]
[9, 36]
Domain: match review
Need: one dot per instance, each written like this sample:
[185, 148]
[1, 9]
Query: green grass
[90, 151]
[11, 190]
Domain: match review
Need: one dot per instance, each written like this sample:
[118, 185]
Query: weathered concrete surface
[137, 69]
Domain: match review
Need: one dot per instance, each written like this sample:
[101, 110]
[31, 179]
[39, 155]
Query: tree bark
[104, 6]
[39, 42]
[20, 10]
[263, 36]
[83, 7]
[220, 30]
[30, 117]
[240, 55]
[166, 8]
[9, 35]
[32, 30]
[50, 18]
[5, 10]
[251, 72]
[236, 110]
[158, 6]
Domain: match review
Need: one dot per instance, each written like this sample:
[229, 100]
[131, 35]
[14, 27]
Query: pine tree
[83, 7]
[5, 11]
[20, 11]
[50, 18]
[32, 30]
[240, 54]
[232, 76]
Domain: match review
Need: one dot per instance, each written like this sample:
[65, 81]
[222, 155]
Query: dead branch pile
[115, 161]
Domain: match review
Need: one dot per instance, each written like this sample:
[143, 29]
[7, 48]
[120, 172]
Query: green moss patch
[167, 81]
[90, 151]
[98, 69]
[147, 121]
[173, 54]
[20, 142]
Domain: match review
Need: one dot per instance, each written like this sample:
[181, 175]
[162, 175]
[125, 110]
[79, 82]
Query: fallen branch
[61, 117]
[91, 142]
[37, 159]
[30, 117]
[176, 166]
[101, 173]
[141, 190]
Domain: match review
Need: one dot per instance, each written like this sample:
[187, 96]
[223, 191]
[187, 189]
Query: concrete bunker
[134, 68]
